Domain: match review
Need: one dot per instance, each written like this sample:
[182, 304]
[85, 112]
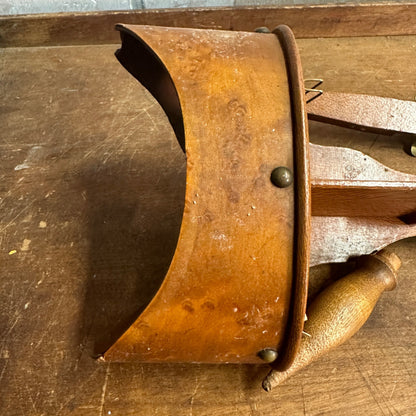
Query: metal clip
[316, 83]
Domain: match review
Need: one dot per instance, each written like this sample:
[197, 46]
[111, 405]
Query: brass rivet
[281, 177]
[268, 355]
[262, 29]
[413, 149]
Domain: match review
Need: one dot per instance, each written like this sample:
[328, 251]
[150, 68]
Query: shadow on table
[133, 218]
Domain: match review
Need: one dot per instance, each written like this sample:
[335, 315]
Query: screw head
[262, 29]
[268, 355]
[282, 177]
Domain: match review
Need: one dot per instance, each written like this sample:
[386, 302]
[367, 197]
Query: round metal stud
[282, 177]
[413, 149]
[268, 355]
[262, 29]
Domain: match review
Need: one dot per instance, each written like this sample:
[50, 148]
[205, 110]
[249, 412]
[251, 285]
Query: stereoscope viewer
[263, 204]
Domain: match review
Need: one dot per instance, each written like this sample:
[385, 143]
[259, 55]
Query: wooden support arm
[359, 206]
[364, 112]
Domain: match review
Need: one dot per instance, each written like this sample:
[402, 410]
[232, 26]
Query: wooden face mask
[262, 204]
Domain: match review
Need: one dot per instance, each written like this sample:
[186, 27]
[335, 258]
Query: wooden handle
[340, 311]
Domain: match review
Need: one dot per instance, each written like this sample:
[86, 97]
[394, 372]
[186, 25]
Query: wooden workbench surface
[91, 191]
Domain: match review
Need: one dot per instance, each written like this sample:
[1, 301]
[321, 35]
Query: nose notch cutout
[144, 64]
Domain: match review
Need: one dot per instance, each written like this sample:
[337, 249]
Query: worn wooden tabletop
[91, 189]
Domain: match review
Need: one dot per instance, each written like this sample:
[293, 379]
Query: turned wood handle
[340, 311]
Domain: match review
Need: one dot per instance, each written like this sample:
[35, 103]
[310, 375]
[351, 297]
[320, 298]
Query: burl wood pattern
[227, 293]
[191, 73]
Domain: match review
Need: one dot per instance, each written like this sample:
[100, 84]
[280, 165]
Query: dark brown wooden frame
[305, 21]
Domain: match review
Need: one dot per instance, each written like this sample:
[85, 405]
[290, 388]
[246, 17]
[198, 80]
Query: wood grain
[349, 183]
[340, 310]
[228, 292]
[101, 208]
[302, 200]
[305, 21]
[377, 114]
[337, 239]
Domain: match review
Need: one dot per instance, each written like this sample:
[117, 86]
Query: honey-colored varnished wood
[302, 224]
[345, 183]
[224, 299]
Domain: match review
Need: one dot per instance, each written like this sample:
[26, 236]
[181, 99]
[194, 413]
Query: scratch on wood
[392, 391]
[112, 134]
[104, 389]
[3, 370]
[197, 382]
[81, 387]
[8, 331]
[370, 386]
[31, 399]
[17, 216]
[253, 408]
[303, 400]
[145, 111]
